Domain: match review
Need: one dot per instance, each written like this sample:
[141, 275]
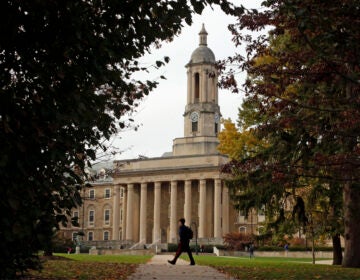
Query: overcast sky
[160, 115]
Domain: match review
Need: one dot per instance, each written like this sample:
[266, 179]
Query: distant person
[286, 248]
[185, 234]
[251, 250]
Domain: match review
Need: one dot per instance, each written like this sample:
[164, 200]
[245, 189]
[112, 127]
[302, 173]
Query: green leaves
[67, 77]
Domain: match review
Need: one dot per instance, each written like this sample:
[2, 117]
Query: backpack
[189, 233]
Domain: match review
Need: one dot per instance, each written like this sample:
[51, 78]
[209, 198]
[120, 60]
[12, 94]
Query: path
[158, 268]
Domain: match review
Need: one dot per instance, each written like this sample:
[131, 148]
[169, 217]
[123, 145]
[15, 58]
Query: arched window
[261, 229]
[106, 235]
[197, 86]
[242, 230]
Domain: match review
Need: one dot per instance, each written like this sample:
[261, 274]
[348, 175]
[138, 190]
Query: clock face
[217, 117]
[194, 116]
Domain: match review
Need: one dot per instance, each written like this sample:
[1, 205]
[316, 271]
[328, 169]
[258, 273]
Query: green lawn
[277, 268]
[107, 258]
[86, 267]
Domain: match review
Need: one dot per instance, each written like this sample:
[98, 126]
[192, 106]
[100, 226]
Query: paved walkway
[158, 268]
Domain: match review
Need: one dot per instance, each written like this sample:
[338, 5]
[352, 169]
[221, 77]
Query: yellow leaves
[237, 144]
[264, 60]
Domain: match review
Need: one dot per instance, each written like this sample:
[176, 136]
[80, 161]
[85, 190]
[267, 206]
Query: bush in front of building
[238, 241]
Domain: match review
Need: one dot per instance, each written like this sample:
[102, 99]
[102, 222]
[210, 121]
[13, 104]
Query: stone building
[145, 197]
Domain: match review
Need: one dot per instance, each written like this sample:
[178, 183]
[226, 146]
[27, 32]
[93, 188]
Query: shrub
[237, 241]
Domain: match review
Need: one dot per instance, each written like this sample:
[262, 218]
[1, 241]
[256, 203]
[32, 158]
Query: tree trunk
[313, 248]
[337, 251]
[352, 225]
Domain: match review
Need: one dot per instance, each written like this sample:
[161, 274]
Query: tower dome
[202, 54]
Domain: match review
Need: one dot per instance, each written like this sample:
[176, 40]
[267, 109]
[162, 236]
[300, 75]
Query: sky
[160, 114]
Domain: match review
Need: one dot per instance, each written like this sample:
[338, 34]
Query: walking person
[185, 234]
[251, 250]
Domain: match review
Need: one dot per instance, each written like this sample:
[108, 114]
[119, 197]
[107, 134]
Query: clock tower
[202, 112]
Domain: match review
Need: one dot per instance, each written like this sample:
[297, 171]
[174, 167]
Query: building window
[122, 192]
[197, 87]
[107, 216]
[216, 128]
[75, 218]
[90, 236]
[74, 236]
[91, 217]
[92, 194]
[194, 126]
[242, 230]
[261, 230]
[106, 235]
[107, 193]
[121, 215]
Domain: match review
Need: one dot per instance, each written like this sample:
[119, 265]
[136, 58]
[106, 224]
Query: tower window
[216, 129]
[194, 126]
[197, 86]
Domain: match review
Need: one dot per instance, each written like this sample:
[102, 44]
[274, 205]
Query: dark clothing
[251, 251]
[183, 234]
[183, 245]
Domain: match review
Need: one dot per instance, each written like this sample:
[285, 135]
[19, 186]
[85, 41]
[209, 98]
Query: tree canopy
[66, 81]
[303, 94]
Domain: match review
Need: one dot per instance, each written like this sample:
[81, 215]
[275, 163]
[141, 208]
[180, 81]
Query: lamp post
[196, 237]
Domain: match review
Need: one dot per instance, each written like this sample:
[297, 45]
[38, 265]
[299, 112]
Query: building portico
[194, 191]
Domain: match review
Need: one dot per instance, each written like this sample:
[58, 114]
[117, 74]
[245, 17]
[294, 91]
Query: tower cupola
[202, 112]
[202, 54]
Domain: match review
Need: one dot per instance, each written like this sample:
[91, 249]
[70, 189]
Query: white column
[129, 212]
[143, 207]
[217, 208]
[187, 204]
[202, 208]
[173, 214]
[116, 213]
[123, 222]
[157, 201]
[225, 212]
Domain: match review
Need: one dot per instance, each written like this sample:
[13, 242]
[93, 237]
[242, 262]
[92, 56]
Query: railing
[141, 242]
[155, 243]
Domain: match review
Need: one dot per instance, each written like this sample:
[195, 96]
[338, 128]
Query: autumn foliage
[237, 241]
[302, 100]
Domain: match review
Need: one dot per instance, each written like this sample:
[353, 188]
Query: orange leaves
[75, 270]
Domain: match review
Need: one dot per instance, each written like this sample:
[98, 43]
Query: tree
[66, 81]
[306, 94]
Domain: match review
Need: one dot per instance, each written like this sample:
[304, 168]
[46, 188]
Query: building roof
[202, 54]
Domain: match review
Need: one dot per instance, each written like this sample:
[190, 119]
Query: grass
[86, 267]
[124, 259]
[277, 268]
